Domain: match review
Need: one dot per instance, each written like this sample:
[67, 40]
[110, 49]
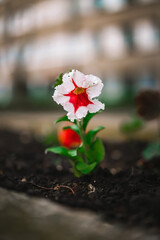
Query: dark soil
[122, 192]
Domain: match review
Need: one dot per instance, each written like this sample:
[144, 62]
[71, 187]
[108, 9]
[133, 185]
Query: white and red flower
[77, 94]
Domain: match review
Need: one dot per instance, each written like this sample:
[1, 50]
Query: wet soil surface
[119, 191]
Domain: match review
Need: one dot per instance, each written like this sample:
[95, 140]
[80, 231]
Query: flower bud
[68, 138]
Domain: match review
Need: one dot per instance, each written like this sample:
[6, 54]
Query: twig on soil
[55, 188]
[47, 188]
[63, 186]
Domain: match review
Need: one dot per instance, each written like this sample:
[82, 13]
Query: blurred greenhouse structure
[119, 41]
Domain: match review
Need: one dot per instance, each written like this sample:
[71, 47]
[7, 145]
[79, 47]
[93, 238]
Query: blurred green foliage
[153, 150]
[50, 139]
[133, 125]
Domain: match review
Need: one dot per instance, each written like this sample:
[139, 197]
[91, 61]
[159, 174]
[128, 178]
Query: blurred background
[119, 41]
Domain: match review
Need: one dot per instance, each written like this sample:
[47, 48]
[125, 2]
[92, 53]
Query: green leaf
[62, 151]
[58, 80]
[87, 119]
[132, 126]
[77, 159]
[73, 127]
[153, 150]
[63, 119]
[80, 149]
[97, 150]
[85, 168]
[91, 134]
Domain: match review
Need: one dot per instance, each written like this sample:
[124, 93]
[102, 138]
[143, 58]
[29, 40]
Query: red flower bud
[68, 138]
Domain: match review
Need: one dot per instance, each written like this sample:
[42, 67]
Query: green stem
[82, 136]
[75, 171]
[158, 122]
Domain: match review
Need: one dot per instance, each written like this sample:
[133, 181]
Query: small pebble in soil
[23, 179]
[59, 167]
[113, 171]
[91, 188]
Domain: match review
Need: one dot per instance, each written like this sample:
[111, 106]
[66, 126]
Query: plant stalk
[158, 122]
[82, 136]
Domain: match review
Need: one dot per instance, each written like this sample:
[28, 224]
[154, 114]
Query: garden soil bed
[119, 191]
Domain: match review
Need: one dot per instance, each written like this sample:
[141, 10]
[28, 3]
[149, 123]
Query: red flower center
[78, 97]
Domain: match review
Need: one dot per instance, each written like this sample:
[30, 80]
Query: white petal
[96, 106]
[96, 85]
[60, 98]
[70, 109]
[68, 76]
[71, 116]
[81, 112]
[85, 83]
[65, 87]
[78, 78]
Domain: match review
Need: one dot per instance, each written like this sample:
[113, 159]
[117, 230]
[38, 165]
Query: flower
[148, 104]
[68, 138]
[77, 94]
